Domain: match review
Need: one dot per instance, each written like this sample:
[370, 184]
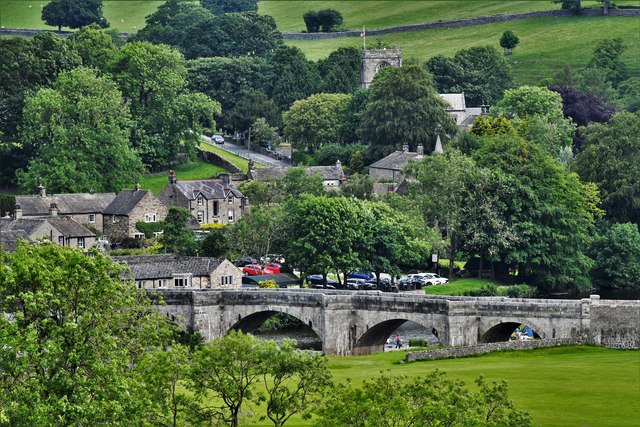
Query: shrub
[486, 290]
[268, 284]
[418, 342]
[519, 291]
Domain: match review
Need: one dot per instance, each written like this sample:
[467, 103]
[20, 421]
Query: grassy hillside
[192, 170]
[546, 43]
[124, 15]
[564, 386]
[383, 14]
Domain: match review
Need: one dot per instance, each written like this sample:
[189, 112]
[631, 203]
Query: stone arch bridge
[354, 323]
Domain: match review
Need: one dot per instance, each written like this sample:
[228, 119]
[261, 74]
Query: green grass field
[546, 44]
[192, 170]
[238, 161]
[563, 387]
[458, 286]
[123, 15]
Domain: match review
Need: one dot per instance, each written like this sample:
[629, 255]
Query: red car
[274, 267]
[257, 270]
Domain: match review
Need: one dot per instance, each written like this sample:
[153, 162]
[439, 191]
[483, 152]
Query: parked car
[316, 279]
[257, 270]
[274, 258]
[273, 266]
[323, 286]
[405, 284]
[218, 139]
[358, 285]
[246, 260]
[418, 281]
[361, 275]
[434, 279]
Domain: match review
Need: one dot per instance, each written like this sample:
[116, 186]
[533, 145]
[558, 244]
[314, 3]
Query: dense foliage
[73, 13]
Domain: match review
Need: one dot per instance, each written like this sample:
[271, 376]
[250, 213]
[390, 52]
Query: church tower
[373, 60]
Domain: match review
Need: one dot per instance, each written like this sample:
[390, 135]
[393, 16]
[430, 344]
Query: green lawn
[238, 161]
[563, 387]
[192, 170]
[123, 15]
[458, 286]
[546, 43]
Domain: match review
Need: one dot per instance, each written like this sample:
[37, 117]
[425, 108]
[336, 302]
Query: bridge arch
[501, 330]
[374, 338]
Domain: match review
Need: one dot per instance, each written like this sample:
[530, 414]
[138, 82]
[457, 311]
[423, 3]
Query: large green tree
[177, 236]
[340, 71]
[95, 47]
[168, 119]
[73, 13]
[616, 252]
[72, 347]
[220, 7]
[315, 121]
[294, 77]
[606, 56]
[79, 130]
[404, 108]
[611, 159]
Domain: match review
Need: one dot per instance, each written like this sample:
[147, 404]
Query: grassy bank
[459, 286]
[237, 161]
[565, 386]
[192, 170]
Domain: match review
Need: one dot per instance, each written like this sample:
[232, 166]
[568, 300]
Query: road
[246, 154]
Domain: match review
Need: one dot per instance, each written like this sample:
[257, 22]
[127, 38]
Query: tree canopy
[73, 13]
[407, 93]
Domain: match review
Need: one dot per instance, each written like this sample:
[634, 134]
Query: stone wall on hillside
[454, 352]
[215, 159]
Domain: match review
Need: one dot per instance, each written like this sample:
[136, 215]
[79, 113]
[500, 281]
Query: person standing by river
[398, 341]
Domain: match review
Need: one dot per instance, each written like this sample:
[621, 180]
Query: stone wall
[615, 324]
[215, 159]
[454, 352]
[481, 20]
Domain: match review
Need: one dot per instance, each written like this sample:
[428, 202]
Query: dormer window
[200, 200]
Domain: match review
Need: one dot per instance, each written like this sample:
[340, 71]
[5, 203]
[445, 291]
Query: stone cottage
[129, 207]
[212, 201]
[390, 168]
[332, 176]
[84, 208]
[170, 271]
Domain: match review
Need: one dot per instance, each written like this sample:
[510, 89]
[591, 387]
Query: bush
[519, 291]
[486, 290]
[418, 342]
[268, 284]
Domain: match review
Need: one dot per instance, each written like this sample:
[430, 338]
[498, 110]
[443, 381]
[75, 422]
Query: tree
[311, 21]
[606, 56]
[294, 77]
[329, 19]
[447, 74]
[360, 186]
[168, 118]
[220, 7]
[297, 182]
[95, 47]
[260, 232]
[353, 116]
[616, 252]
[263, 134]
[72, 348]
[405, 108]
[573, 5]
[252, 106]
[73, 13]
[294, 381]
[315, 121]
[611, 159]
[228, 369]
[177, 236]
[429, 401]
[508, 41]
[340, 71]
[79, 129]
[485, 74]
[216, 243]
[356, 163]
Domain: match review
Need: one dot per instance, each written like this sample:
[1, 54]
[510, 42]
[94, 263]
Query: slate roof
[326, 172]
[267, 174]
[455, 100]
[9, 239]
[210, 189]
[396, 160]
[149, 267]
[276, 174]
[124, 202]
[28, 225]
[65, 225]
[78, 203]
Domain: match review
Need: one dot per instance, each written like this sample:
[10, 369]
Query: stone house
[84, 208]
[458, 110]
[390, 168]
[170, 271]
[61, 230]
[129, 207]
[332, 176]
[212, 201]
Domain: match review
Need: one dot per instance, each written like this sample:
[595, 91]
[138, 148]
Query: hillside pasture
[547, 44]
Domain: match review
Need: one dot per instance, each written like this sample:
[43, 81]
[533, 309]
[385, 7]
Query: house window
[140, 284]
[182, 280]
[150, 217]
[200, 200]
[163, 283]
[215, 209]
[81, 242]
[138, 236]
[230, 215]
[200, 217]
[158, 233]
[61, 240]
[92, 218]
[226, 280]
[230, 199]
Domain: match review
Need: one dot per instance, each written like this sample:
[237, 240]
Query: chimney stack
[53, 210]
[420, 150]
[225, 177]
[172, 177]
[484, 108]
[42, 191]
[91, 190]
[405, 148]
[339, 164]
[18, 212]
